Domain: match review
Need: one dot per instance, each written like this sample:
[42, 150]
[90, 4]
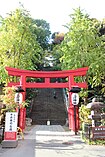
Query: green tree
[42, 32]
[82, 46]
[18, 44]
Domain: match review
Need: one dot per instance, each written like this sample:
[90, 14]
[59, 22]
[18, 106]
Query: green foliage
[97, 142]
[25, 104]
[93, 142]
[57, 38]
[3, 74]
[56, 55]
[8, 98]
[18, 44]
[83, 114]
[82, 47]
[42, 32]
[23, 41]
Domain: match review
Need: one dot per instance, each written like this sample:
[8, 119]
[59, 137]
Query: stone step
[48, 108]
[52, 122]
[49, 112]
[45, 107]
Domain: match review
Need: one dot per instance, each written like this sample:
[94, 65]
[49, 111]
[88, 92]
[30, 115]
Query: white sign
[11, 122]
[18, 98]
[75, 98]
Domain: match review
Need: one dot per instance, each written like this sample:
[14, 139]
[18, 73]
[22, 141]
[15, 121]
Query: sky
[55, 12]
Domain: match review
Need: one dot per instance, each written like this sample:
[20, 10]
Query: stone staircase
[46, 107]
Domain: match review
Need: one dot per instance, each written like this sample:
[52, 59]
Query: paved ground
[52, 141]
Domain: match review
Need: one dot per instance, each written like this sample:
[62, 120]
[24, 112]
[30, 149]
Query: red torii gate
[47, 75]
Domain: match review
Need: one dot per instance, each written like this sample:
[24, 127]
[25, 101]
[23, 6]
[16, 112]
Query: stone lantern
[96, 112]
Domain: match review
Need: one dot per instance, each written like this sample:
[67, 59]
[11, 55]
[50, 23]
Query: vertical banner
[11, 126]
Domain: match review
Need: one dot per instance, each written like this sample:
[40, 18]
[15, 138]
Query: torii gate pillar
[71, 116]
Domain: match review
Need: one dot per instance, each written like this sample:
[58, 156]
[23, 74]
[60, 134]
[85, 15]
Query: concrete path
[52, 141]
